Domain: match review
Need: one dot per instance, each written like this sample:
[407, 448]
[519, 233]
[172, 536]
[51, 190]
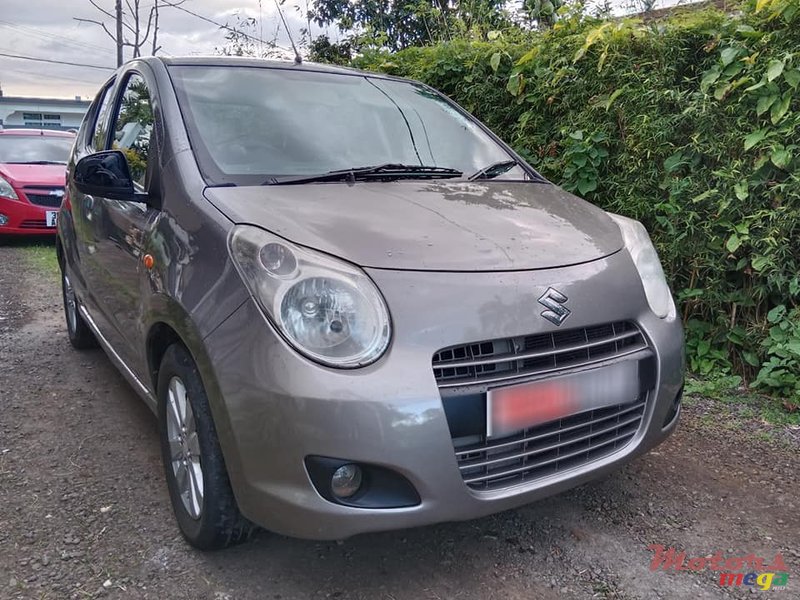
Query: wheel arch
[168, 322]
[160, 337]
[60, 252]
[172, 324]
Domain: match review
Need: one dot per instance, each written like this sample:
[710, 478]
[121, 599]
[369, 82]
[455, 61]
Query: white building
[41, 113]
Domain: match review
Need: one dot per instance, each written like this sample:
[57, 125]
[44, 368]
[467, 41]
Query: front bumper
[24, 218]
[277, 408]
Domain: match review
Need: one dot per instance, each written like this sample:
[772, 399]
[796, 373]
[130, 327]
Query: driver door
[124, 227]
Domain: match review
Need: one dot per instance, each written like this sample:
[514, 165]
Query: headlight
[645, 258]
[328, 309]
[6, 191]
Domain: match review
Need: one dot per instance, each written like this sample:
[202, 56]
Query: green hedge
[690, 124]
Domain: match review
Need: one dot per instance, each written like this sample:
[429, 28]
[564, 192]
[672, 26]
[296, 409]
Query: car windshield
[35, 149]
[247, 124]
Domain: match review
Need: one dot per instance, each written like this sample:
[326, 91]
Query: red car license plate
[514, 408]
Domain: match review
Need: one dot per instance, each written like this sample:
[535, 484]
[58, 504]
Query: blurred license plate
[511, 409]
[52, 217]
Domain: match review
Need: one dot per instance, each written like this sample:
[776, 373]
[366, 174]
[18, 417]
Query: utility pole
[118, 12]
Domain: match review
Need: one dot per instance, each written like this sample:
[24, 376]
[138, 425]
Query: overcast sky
[47, 29]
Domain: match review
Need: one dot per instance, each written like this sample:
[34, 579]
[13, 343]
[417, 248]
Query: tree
[242, 40]
[134, 24]
[641, 7]
[544, 12]
[397, 25]
[325, 51]
[604, 9]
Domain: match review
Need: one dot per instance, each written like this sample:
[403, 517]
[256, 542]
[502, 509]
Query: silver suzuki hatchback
[351, 306]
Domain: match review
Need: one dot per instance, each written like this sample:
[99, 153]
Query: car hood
[436, 226]
[22, 175]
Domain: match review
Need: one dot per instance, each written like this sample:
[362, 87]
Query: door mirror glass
[105, 174]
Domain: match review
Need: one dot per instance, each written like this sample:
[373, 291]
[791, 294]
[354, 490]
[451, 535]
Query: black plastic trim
[381, 487]
[674, 410]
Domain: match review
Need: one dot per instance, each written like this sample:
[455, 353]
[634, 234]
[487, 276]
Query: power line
[55, 62]
[48, 35]
[85, 80]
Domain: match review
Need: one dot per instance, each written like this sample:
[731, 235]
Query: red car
[32, 177]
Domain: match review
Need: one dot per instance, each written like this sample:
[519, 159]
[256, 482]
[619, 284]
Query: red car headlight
[6, 191]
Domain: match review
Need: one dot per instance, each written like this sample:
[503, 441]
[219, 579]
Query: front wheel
[199, 488]
[80, 336]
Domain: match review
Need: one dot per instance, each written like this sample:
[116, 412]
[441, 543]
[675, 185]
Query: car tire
[199, 488]
[80, 336]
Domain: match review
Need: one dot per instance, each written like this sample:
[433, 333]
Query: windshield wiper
[36, 162]
[385, 171]
[493, 170]
[500, 167]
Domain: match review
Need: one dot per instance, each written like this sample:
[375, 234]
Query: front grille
[550, 448]
[33, 224]
[466, 372]
[43, 199]
[510, 358]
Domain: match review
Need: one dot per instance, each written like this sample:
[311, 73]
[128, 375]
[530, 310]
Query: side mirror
[106, 174]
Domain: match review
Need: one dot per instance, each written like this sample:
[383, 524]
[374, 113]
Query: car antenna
[298, 60]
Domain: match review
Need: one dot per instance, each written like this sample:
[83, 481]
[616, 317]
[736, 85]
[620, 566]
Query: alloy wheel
[70, 304]
[184, 448]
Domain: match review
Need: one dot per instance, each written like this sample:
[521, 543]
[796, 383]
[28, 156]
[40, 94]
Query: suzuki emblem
[553, 301]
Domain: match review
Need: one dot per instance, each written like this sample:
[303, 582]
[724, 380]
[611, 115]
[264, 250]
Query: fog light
[3, 220]
[346, 480]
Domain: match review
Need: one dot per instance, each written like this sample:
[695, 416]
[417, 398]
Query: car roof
[41, 132]
[243, 61]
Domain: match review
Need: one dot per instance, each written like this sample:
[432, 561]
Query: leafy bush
[691, 124]
[583, 158]
[782, 345]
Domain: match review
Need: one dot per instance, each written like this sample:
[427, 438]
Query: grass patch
[40, 255]
[765, 436]
[778, 416]
[733, 398]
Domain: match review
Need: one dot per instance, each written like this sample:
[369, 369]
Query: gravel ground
[84, 511]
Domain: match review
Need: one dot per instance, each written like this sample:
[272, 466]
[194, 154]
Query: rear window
[35, 149]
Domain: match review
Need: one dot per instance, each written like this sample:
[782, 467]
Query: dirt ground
[84, 510]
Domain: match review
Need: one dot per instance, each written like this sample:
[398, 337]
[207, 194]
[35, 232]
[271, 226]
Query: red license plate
[514, 408]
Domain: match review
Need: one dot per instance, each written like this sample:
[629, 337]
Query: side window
[133, 127]
[98, 137]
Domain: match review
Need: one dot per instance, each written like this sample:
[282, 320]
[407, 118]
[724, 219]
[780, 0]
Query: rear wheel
[80, 336]
[198, 483]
